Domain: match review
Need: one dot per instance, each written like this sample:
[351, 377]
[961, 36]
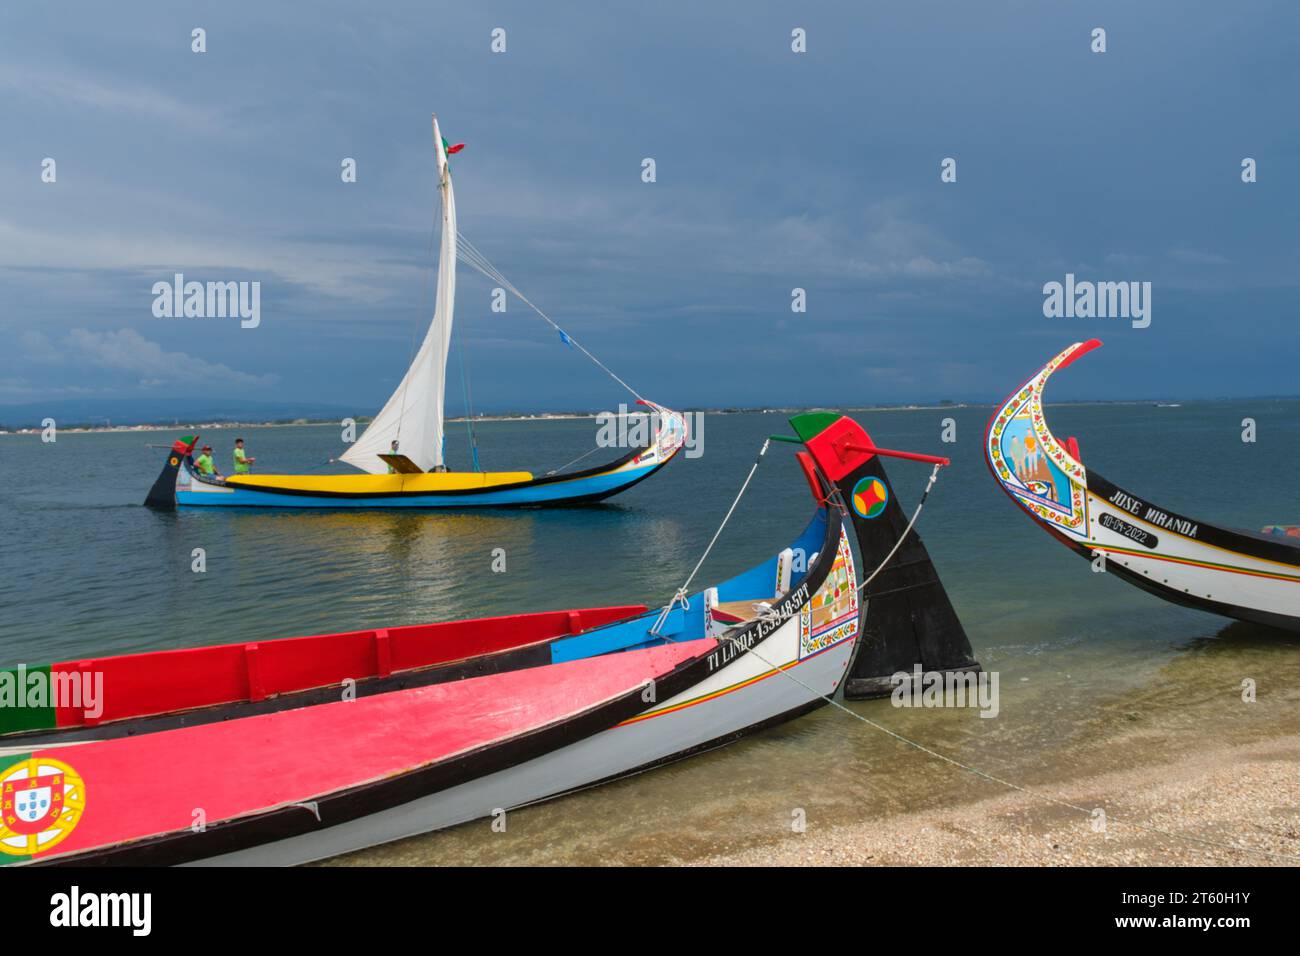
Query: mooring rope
[934, 476]
[785, 672]
[681, 597]
[1001, 781]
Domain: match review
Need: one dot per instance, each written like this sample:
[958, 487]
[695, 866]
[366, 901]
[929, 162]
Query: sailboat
[400, 454]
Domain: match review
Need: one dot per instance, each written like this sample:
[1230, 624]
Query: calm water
[1094, 674]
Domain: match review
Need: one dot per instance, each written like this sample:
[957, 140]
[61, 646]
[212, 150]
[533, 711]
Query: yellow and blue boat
[400, 454]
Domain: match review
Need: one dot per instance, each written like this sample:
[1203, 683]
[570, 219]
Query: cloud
[20, 390]
[923, 267]
[353, 273]
[63, 86]
[129, 353]
[37, 348]
[884, 242]
[1198, 258]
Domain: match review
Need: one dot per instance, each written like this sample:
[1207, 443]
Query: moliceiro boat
[180, 484]
[401, 451]
[292, 750]
[1189, 561]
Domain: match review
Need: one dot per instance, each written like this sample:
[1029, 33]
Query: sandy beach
[1244, 796]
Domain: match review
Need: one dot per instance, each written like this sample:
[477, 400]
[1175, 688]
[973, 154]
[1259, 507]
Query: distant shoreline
[222, 425]
[509, 417]
[82, 428]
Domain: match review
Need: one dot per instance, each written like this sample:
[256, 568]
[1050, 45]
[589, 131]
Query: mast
[413, 415]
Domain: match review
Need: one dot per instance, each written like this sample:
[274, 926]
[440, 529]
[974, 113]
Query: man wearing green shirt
[204, 463]
[242, 461]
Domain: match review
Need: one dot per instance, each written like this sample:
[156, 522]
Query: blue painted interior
[758, 583]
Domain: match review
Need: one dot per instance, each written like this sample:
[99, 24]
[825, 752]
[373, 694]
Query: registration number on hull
[1132, 532]
[729, 648]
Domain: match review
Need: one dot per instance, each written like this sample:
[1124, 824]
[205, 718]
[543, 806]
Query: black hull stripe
[1246, 543]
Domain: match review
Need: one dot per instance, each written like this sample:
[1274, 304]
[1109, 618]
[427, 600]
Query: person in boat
[204, 464]
[242, 461]
[392, 450]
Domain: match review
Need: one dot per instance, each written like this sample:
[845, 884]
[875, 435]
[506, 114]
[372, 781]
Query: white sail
[413, 415]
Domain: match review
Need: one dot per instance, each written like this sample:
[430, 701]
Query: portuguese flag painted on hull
[41, 802]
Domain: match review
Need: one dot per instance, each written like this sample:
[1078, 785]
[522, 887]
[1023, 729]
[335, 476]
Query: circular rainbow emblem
[870, 497]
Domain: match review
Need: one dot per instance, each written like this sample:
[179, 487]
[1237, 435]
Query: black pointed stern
[162, 496]
[909, 619]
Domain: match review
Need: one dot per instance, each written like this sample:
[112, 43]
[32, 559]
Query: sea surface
[1094, 674]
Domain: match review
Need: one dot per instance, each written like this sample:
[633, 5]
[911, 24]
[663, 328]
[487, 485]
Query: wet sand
[1176, 814]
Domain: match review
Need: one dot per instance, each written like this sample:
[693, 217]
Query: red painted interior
[140, 786]
[163, 681]
[810, 475]
[1072, 446]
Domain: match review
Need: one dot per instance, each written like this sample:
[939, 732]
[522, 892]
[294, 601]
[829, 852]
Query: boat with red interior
[286, 751]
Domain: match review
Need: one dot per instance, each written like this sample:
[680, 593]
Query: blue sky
[775, 170]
